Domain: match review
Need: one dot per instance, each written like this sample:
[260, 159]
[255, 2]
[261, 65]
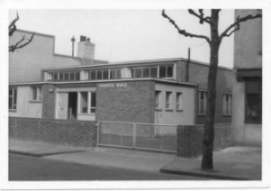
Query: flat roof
[105, 81]
[134, 63]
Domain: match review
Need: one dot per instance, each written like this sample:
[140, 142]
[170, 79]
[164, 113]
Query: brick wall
[224, 85]
[134, 102]
[66, 132]
[189, 139]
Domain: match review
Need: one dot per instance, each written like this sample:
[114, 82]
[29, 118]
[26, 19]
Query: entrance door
[62, 106]
[72, 105]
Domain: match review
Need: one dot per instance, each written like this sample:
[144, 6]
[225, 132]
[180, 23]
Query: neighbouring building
[43, 84]
[247, 88]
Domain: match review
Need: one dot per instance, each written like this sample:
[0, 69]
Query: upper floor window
[166, 71]
[115, 74]
[12, 98]
[227, 104]
[202, 102]
[65, 76]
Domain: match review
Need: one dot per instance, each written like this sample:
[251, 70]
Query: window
[92, 75]
[138, 73]
[93, 102]
[227, 101]
[61, 76]
[12, 98]
[253, 101]
[154, 72]
[87, 102]
[253, 108]
[166, 71]
[66, 76]
[77, 76]
[179, 101]
[55, 76]
[115, 74]
[162, 72]
[146, 72]
[105, 74]
[99, 75]
[36, 93]
[157, 99]
[84, 102]
[202, 102]
[72, 76]
[168, 100]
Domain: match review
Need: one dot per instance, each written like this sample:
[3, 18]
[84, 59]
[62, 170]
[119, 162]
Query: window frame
[168, 101]
[227, 105]
[13, 96]
[179, 101]
[204, 111]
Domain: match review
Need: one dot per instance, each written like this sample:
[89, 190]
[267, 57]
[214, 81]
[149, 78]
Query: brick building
[47, 85]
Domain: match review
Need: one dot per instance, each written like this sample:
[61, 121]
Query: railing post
[134, 135]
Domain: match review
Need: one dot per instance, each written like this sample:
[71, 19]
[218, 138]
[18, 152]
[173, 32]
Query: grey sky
[127, 34]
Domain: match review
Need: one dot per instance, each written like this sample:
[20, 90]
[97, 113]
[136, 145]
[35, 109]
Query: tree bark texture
[208, 136]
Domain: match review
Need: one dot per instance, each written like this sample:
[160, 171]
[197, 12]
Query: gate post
[134, 135]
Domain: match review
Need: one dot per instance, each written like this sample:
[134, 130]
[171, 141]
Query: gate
[141, 136]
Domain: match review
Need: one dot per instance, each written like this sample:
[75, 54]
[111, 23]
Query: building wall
[243, 133]
[26, 107]
[250, 37]
[186, 116]
[198, 74]
[37, 55]
[247, 55]
[125, 101]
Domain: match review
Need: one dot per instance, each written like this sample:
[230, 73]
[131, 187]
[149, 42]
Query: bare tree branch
[21, 43]
[200, 15]
[236, 25]
[13, 22]
[12, 26]
[182, 31]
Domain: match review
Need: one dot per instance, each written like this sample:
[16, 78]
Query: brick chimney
[85, 48]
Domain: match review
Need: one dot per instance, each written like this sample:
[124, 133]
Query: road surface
[22, 167]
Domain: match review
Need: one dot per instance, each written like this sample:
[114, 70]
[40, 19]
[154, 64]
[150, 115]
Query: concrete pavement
[99, 156]
[235, 163]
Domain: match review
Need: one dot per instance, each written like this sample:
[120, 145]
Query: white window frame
[227, 105]
[36, 93]
[168, 100]
[179, 101]
[90, 108]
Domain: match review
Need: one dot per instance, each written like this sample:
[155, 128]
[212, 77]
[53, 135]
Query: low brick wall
[67, 132]
[189, 139]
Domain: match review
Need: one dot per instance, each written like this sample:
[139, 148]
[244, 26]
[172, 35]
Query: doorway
[72, 105]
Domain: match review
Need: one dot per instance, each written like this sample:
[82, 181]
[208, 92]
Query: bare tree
[214, 42]
[20, 43]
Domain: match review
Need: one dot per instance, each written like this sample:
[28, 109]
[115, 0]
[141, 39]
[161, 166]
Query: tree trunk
[208, 136]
